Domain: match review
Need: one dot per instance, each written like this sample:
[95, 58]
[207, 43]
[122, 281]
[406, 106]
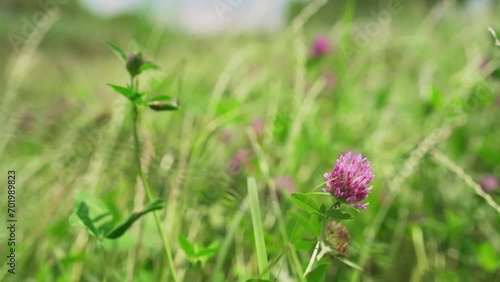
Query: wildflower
[226, 136]
[258, 126]
[283, 186]
[489, 183]
[320, 47]
[336, 237]
[285, 183]
[349, 178]
[239, 160]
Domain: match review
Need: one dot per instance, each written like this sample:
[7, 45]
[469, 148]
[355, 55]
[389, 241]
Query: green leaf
[186, 246]
[338, 214]
[148, 66]
[436, 98]
[125, 91]
[105, 227]
[123, 226]
[160, 98]
[208, 252]
[304, 244]
[306, 202]
[164, 105]
[82, 212]
[156, 204]
[101, 217]
[322, 209]
[350, 263]
[319, 272]
[310, 222]
[118, 52]
[74, 220]
[487, 257]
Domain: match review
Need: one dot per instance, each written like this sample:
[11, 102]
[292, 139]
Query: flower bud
[135, 61]
[336, 236]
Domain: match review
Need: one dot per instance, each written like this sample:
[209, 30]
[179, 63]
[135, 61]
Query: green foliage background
[413, 99]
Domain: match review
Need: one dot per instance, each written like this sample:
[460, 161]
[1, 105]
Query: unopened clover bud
[135, 61]
[336, 236]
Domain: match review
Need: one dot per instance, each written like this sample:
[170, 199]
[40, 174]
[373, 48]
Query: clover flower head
[489, 183]
[258, 126]
[349, 180]
[320, 47]
[336, 236]
[238, 161]
[285, 183]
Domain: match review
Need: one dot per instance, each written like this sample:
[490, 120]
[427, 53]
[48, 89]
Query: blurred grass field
[417, 99]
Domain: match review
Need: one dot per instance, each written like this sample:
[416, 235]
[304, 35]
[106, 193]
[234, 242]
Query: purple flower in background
[226, 136]
[285, 183]
[489, 183]
[239, 159]
[321, 47]
[349, 178]
[258, 126]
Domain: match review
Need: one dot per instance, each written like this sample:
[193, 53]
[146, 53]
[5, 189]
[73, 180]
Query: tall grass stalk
[264, 167]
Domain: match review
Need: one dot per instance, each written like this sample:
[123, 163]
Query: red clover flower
[489, 183]
[320, 47]
[349, 179]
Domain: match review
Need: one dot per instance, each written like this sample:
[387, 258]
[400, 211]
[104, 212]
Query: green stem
[311, 261]
[137, 145]
[103, 256]
[297, 222]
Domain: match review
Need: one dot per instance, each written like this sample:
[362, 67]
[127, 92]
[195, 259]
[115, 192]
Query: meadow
[414, 88]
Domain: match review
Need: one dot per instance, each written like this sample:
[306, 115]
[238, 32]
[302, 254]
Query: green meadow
[224, 167]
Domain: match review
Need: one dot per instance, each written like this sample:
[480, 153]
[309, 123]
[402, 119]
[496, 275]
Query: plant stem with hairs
[142, 176]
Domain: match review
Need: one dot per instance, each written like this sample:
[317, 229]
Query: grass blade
[118, 52]
[257, 227]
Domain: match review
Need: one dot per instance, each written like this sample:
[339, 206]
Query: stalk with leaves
[135, 64]
[348, 184]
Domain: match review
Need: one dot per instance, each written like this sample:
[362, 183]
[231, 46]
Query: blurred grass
[66, 132]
